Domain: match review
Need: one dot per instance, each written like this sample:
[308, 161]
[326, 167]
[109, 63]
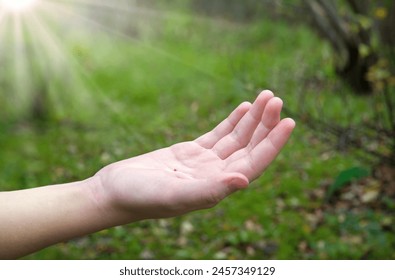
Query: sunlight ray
[54, 24]
[21, 94]
[134, 8]
[2, 15]
[60, 71]
[70, 70]
[145, 44]
[81, 76]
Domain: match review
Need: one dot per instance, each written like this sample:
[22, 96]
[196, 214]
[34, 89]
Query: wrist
[111, 213]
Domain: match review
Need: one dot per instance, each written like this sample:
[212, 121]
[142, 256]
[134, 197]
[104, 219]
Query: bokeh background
[84, 83]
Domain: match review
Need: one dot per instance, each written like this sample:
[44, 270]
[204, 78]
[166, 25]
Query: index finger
[209, 139]
[253, 162]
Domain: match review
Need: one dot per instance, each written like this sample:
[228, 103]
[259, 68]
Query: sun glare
[17, 5]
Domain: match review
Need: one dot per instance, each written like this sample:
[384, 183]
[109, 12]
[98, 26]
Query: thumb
[227, 184]
[206, 193]
[234, 182]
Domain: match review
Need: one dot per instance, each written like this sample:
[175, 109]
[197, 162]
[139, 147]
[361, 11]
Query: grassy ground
[171, 83]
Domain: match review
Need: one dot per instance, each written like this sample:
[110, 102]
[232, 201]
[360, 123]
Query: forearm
[36, 218]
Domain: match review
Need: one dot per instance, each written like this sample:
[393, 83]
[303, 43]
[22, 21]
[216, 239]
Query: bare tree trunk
[351, 66]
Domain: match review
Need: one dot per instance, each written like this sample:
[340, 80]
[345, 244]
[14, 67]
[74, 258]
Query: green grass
[173, 85]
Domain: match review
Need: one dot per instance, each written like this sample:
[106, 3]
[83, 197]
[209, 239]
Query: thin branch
[319, 17]
[336, 21]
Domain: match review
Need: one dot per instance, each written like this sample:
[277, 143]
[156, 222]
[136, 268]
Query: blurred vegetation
[135, 76]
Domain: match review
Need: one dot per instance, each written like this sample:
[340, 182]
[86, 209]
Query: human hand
[164, 183]
[197, 174]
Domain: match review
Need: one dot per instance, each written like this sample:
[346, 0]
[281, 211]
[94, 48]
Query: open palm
[200, 173]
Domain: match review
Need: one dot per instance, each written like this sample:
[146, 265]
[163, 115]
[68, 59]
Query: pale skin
[165, 183]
